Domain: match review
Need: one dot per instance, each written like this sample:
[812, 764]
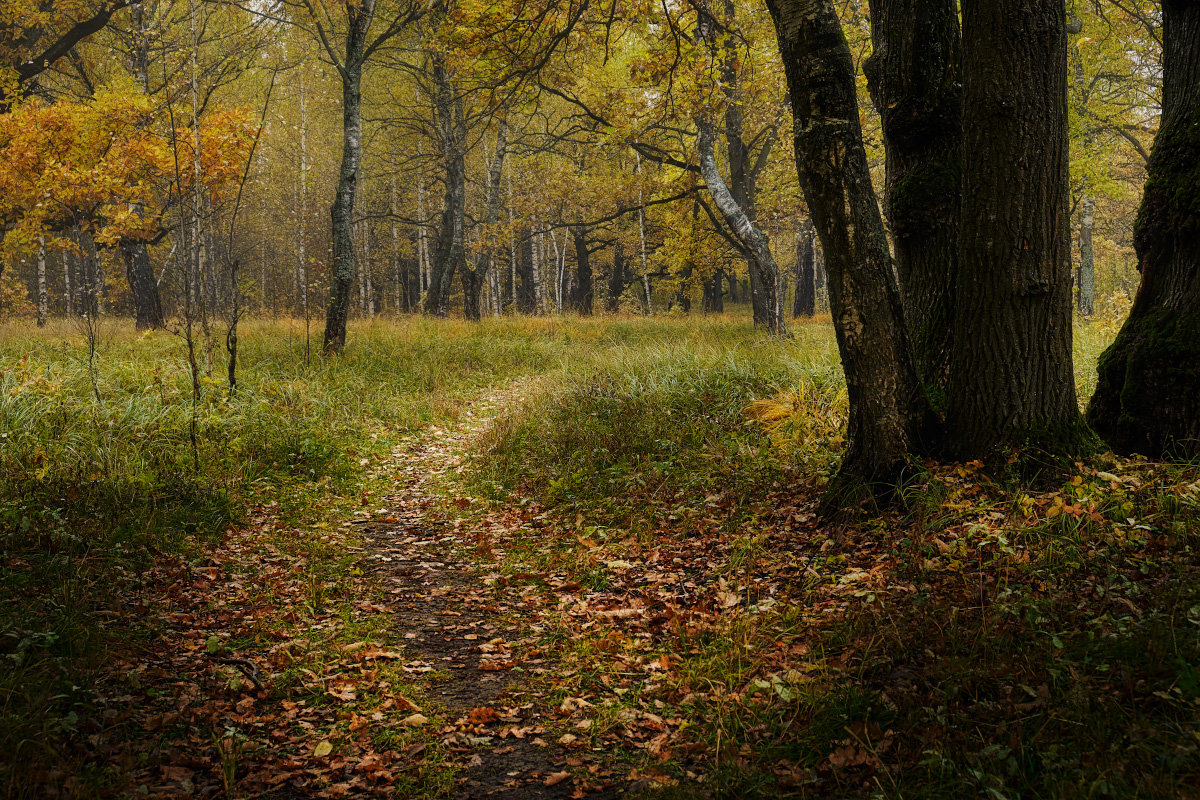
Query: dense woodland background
[553, 150]
[566, 399]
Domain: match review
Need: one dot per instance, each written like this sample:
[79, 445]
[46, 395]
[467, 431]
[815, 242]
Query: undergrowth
[654, 434]
[987, 640]
[92, 489]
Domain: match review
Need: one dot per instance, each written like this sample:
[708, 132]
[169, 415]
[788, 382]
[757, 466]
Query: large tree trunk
[473, 278]
[1147, 398]
[526, 300]
[450, 254]
[805, 304]
[583, 293]
[914, 75]
[1012, 383]
[889, 412]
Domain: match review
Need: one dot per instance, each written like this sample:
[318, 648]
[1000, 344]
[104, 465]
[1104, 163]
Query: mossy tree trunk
[1011, 378]
[889, 412]
[915, 78]
[1147, 397]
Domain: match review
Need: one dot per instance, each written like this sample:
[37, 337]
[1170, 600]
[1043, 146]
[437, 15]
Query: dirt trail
[454, 634]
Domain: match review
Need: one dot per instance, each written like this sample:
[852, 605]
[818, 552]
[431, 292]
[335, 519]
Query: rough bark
[805, 304]
[526, 301]
[915, 78]
[341, 213]
[1085, 276]
[889, 412]
[142, 285]
[1147, 397]
[683, 294]
[450, 254]
[583, 292]
[473, 278]
[1012, 383]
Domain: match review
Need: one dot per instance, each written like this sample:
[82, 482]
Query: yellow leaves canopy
[95, 164]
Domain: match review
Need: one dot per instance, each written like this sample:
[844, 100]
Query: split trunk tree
[1011, 379]
[1147, 397]
[473, 278]
[889, 412]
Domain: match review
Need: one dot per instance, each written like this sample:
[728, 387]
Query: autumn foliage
[91, 164]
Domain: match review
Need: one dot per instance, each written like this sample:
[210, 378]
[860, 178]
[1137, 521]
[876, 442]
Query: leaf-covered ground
[1001, 642]
[612, 583]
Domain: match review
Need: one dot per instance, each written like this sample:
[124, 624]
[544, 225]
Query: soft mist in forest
[463, 399]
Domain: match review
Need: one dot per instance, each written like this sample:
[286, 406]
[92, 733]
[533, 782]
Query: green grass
[661, 427]
[91, 489]
[1036, 652]
[653, 431]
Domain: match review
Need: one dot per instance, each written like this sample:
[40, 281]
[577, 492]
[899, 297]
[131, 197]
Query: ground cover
[562, 559]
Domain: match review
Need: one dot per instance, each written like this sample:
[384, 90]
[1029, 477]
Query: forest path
[461, 643]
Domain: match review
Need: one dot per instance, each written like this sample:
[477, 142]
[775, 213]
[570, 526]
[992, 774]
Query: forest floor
[595, 576]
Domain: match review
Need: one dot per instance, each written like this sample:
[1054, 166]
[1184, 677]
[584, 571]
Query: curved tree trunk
[1147, 398]
[915, 79]
[889, 412]
[1012, 382]
[764, 277]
